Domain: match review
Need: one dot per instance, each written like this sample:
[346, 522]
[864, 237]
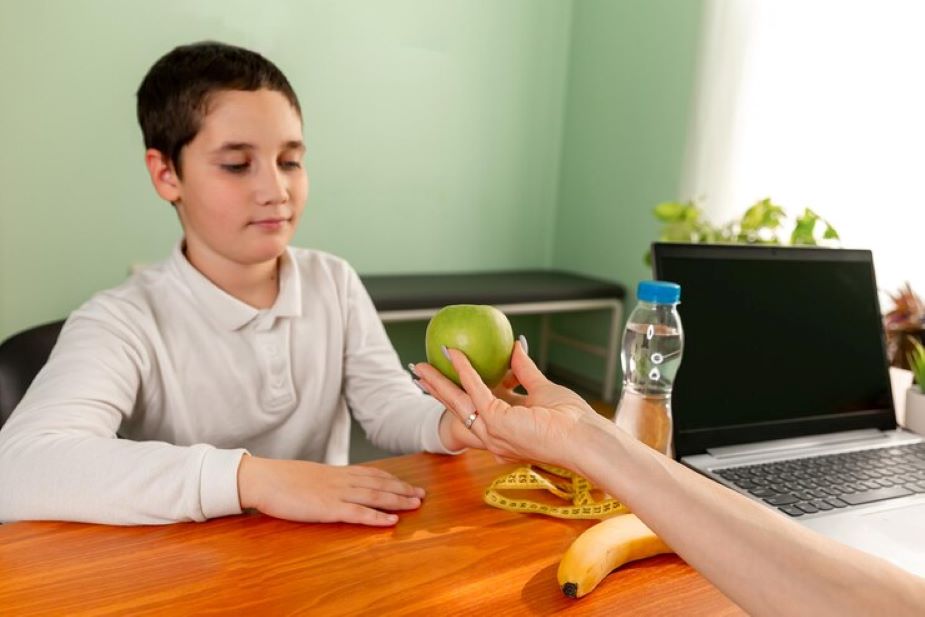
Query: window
[817, 104]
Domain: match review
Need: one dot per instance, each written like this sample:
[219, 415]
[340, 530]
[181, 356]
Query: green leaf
[751, 220]
[917, 362]
[760, 224]
[762, 216]
[669, 211]
[803, 230]
[691, 213]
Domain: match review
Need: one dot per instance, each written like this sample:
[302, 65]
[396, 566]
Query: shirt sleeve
[395, 414]
[60, 458]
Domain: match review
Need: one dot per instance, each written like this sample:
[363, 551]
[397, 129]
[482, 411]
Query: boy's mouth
[271, 223]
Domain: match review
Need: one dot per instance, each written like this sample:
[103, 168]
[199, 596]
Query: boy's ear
[163, 175]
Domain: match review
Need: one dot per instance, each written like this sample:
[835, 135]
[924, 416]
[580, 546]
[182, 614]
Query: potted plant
[915, 398]
[762, 223]
[904, 325]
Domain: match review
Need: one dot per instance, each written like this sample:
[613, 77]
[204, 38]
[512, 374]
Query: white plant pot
[915, 410]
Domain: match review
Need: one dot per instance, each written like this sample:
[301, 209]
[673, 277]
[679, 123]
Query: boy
[228, 367]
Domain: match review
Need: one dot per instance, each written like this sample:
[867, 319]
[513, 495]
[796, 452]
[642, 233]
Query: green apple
[481, 332]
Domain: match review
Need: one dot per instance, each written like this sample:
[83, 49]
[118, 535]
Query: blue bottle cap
[659, 292]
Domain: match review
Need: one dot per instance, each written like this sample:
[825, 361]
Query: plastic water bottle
[652, 345]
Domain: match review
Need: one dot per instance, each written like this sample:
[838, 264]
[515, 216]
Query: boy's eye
[291, 164]
[235, 168]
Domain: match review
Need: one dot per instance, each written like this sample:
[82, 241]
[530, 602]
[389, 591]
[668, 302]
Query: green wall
[629, 92]
[433, 131]
[443, 135]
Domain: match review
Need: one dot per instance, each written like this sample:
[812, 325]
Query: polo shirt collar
[289, 300]
[229, 312]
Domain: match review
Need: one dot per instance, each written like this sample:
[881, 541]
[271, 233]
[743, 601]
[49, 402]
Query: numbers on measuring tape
[564, 484]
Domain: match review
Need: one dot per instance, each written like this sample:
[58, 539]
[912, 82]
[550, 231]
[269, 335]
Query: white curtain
[816, 104]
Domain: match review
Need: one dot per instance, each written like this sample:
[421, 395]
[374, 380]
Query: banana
[602, 548]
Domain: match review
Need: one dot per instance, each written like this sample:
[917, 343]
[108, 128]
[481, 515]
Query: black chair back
[21, 357]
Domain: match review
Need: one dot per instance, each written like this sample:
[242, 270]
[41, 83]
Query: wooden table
[454, 556]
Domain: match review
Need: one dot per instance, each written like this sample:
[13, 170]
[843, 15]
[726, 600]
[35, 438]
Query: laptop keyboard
[820, 483]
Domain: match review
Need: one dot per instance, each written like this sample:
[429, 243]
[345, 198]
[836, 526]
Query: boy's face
[244, 185]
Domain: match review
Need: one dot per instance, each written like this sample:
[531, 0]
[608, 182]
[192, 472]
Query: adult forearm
[764, 562]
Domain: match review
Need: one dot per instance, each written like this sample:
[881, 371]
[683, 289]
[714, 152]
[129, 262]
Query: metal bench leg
[613, 348]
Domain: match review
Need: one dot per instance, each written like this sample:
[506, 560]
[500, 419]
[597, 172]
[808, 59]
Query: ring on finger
[470, 419]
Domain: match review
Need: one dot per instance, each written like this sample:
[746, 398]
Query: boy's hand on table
[318, 493]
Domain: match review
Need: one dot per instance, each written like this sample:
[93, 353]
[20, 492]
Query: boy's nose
[271, 188]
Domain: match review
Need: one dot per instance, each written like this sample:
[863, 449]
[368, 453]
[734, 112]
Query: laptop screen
[778, 342]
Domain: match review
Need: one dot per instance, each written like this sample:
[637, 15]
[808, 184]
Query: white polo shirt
[190, 377]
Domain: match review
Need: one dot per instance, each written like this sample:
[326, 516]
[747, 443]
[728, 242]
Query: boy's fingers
[375, 472]
[509, 396]
[382, 499]
[510, 381]
[392, 485]
[525, 370]
[361, 515]
[479, 393]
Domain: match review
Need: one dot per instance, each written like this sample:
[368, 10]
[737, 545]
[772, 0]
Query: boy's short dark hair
[174, 95]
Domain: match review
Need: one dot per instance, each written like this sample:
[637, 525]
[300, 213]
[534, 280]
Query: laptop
[784, 394]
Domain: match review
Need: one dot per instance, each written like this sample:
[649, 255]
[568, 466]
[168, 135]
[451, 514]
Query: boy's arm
[59, 455]
[394, 413]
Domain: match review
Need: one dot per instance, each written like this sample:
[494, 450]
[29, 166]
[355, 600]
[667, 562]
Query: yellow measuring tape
[560, 482]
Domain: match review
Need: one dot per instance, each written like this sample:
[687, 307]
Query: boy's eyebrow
[235, 146]
[295, 144]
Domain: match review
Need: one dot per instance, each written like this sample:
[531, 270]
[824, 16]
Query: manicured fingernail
[411, 368]
[420, 386]
[524, 344]
[419, 492]
[446, 352]
[392, 518]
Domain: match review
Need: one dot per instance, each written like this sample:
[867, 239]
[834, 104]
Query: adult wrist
[604, 457]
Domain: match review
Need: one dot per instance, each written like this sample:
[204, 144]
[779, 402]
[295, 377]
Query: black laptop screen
[778, 342]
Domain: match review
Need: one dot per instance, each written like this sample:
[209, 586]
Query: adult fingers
[445, 391]
[504, 460]
[511, 398]
[469, 438]
[505, 390]
[457, 401]
[525, 370]
[472, 383]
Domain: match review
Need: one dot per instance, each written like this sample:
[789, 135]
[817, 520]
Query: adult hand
[550, 424]
[313, 492]
[454, 434]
